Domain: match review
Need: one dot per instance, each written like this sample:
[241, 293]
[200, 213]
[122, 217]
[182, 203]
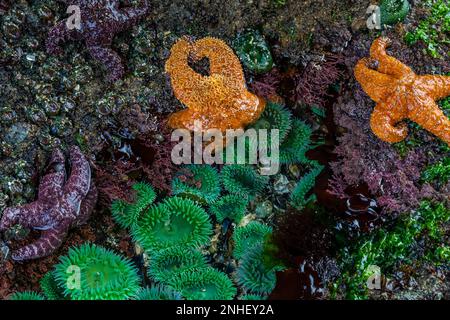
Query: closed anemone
[127, 214]
[90, 272]
[243, 180]
[26, 295]
[248, 236]
[198, 182]
[166, 263]
[157, 292]
[204, 284]
[255, 274]
[230, 206]
[174, 222]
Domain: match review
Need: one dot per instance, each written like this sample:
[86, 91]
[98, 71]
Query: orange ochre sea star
[219, 100]
[401, 94]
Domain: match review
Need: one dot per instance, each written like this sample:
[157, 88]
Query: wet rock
[264, 209]
[281, 185]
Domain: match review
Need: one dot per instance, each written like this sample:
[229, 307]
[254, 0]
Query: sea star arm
[222, 59]
[87, 205]
[29, 216]
[430, 117]
[387, 64]
[80, 176]
[48, 242]
[57, 35]
[376, 84]
[437, 87]
[384, 123]
[52, 183]
[110, 59]
[131, 15]
[186, 83]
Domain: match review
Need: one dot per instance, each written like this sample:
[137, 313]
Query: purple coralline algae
[100, 21]
[395, 181]
[61, 205]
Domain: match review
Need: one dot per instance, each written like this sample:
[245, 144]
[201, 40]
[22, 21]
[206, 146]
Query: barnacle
[203, 186]
[243, 180]
[90, 272]
[218, 101]
[102, 20]
[50, 287]
[127, 214]
[248, 236]
[296, 143]
[204, 284]
[400, 94]
[298, 198]
[275, 116]
[230, 206]
[174, 222]
[255, 274]
[157, 292]
[171, 261]
[26, 295]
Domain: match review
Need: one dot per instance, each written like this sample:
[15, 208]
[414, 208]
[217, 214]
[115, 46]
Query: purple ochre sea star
[61, 205]
[101, 20]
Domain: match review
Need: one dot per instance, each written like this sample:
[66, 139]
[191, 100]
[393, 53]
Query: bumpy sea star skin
[61, 204]
[220, 100]
[400, 94]
[101, 20]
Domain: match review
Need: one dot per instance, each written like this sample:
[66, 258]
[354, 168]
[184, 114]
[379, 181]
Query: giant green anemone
[230, 206]
[274, 116]
[204, 284]
[26, 295]
[203, 186]
[176, 222]
[255, 273]
[127, 214]
[243, 180]
[296, 143]
[157, 292]
[253, 51]
[90, 272]
[168, 262]
[298, 198]
[248, 236]
[50, 287]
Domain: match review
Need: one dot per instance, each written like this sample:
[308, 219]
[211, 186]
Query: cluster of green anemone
[295, 141]
[173, 232]
[88, 272]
